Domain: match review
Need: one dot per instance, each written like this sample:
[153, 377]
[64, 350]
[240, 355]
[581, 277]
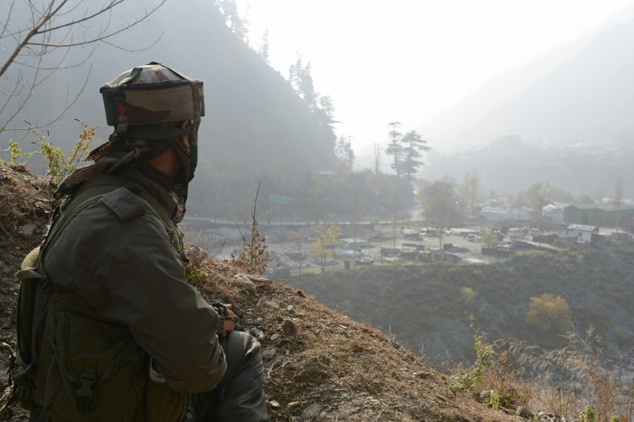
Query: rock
[28, 229]
[290, 328]
[259, 334]
[244, 280]
[311, 411]
[268, 354]
[256, 277]
[272, 304]
[524, 412]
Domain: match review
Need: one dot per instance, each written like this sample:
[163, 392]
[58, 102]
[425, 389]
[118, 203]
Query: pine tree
[394, 147]
[413, 147]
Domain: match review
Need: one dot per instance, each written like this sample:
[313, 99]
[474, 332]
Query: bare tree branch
[37, 37]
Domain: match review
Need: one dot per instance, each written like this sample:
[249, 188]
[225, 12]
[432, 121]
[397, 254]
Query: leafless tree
[36, 41]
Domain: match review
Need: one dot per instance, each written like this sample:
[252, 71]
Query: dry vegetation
[319, 365]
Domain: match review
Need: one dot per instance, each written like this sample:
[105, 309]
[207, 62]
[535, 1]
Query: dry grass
[572, 381]
[577, 376]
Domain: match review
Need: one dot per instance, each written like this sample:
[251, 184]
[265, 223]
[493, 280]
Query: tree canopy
[405, 151]
[442, 207]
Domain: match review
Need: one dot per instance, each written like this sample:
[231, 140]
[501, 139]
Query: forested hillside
[256, 127]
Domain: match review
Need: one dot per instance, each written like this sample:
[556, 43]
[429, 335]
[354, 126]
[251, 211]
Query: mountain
[580, 93]
[256, 128]
[565, 118]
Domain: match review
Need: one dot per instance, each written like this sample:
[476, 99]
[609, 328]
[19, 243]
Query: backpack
[36, 290]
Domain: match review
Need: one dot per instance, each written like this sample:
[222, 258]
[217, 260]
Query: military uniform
[126, 338]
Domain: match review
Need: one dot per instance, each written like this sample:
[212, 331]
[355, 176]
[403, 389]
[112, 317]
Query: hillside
[560, 99]
[427, 307]
[256, 128]
[320, 365]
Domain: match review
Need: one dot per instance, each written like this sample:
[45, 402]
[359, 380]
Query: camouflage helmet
[152, 94]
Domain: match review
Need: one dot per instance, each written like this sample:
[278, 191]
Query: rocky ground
[319, 365]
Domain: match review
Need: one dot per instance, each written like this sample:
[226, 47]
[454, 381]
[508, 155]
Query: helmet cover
[152, 94]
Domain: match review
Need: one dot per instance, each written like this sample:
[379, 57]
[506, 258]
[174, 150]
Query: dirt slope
[320, 365]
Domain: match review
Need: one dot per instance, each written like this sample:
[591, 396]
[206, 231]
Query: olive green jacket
[115, 261]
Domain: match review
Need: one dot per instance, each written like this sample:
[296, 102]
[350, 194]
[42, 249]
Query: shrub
[489, 238]
[492, 378]
[579, 380]
[468, 296]
[59, 164]
[16, 152]
[254, 256]
[548, 313]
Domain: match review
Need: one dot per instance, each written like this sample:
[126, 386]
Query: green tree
[489, 239]
[537, 197]
[413, 147]
[321, 106]
[299, 75]
[263, 52]
[327, 237]
[560, 195]
[394, 148]
[325, 112]
[234, 21]
[344, 152]
[442, 207]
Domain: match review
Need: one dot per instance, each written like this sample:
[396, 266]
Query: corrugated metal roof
[581, 227]
[604, 207]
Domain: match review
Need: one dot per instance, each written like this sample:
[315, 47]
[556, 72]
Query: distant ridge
[578, 93]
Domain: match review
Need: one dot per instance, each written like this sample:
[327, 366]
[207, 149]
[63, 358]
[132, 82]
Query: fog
[521, 117]
[464, 76]
[417, 62]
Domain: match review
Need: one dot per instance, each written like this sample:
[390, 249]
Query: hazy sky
[409, 60]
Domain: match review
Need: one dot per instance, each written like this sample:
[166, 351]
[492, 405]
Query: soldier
[125, 337]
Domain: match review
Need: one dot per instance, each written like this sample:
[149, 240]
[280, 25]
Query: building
[603, 215]
[583, 232]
